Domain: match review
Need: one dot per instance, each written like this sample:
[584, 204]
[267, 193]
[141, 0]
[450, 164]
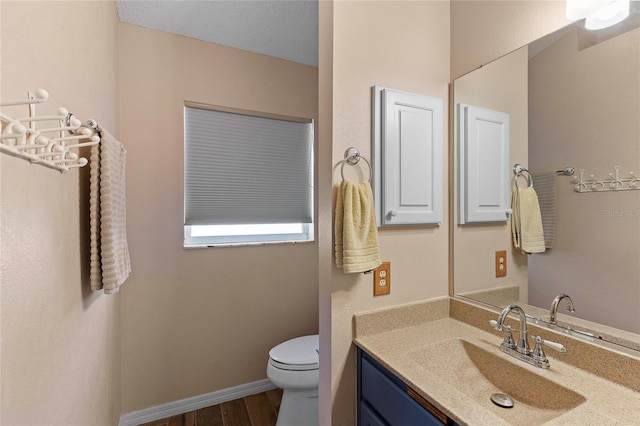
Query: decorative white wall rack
[54, 147]
[612, 183]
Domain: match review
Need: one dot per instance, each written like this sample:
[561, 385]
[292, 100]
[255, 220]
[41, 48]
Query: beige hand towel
[356, 232]
[546, 191]
[526, 221]
[109, 254]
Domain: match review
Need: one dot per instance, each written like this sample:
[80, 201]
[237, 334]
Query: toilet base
[298, 408]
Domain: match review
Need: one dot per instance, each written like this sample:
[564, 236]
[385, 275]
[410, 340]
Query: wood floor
[255, 410]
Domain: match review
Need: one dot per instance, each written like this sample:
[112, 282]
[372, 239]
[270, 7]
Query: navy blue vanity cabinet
[383, 399]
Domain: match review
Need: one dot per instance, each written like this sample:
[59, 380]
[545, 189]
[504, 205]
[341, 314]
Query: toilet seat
[299, 354]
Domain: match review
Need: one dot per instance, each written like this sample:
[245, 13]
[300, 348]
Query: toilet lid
[300, 352]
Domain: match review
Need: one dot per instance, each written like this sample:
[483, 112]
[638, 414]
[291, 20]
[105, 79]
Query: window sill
[240, 244]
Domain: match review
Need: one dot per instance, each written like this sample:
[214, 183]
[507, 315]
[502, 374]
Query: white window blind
[247, 169]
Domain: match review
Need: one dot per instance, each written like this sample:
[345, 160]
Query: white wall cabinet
[408, 158]
[483, 165]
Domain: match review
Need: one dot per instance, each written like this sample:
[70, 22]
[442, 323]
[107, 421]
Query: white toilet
[293, 367]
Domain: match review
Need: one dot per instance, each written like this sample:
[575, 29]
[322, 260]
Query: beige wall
[60, 342]
[584, 113]
[402, 45]
[501, 86]
[200, 320]
[325, 195]
[482, 31]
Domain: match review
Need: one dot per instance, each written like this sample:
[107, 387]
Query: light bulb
[611, 14]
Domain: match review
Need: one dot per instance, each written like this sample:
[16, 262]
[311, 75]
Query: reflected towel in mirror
[546, 191]
[526, 221]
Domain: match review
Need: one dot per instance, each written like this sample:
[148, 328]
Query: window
[248, 177]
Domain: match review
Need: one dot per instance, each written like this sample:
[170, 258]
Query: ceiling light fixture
[599, 14]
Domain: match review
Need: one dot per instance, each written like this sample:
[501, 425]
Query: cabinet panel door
[483, 166]
[412, 166]
[408, 155]
[390, 400]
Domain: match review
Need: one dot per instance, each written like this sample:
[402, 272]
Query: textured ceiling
[286, 29]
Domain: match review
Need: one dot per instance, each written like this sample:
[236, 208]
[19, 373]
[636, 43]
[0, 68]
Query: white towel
[356, 231]
[109, 254]
[546, 190]
[526, 221]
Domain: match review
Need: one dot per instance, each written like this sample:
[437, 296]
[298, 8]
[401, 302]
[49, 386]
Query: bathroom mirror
[573, 99]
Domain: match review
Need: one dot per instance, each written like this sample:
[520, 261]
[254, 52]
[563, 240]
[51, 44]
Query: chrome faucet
[554, 306]
[523, 344]
[521, 351]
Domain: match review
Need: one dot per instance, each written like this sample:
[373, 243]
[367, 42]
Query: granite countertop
[421, 350]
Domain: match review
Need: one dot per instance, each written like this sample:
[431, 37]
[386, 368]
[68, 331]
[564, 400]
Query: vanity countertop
[402, 348]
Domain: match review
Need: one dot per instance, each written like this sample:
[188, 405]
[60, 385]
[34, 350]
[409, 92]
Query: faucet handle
[538, 352]
[553, 345]
[508, 340]
[494, 324]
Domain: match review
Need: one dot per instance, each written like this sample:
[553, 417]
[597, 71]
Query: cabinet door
[368, 417]
[483, 165]
[408, 156]
[387, 395]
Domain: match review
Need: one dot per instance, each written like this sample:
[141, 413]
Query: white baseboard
[194, 403]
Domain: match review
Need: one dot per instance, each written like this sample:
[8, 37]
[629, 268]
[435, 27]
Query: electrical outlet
[382, 279]
[501, 263]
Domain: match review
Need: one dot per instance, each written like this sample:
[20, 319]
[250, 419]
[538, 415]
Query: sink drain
[502, 400]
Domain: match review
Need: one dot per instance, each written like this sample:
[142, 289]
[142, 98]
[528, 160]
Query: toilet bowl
[293, 367]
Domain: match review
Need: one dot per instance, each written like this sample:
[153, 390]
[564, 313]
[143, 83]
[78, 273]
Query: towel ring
[352, 157]
[518, 171]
